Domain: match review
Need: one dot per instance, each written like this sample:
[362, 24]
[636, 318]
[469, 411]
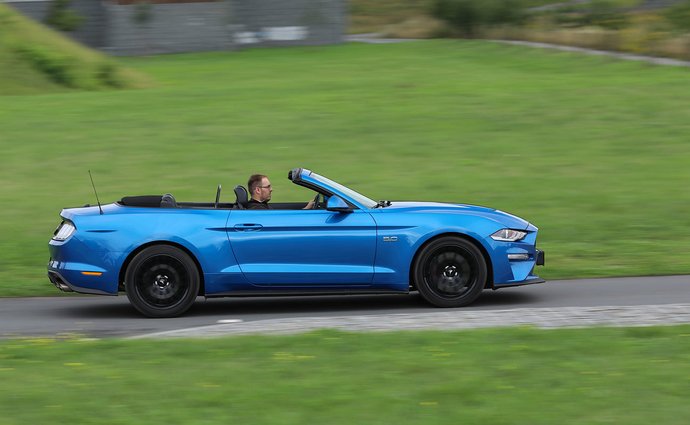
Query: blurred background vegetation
[650, 27]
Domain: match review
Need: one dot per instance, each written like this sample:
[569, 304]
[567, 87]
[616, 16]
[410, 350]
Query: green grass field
[500, 376]
[594, 151]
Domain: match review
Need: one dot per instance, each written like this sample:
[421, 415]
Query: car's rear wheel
[162, 281]
[450, 272]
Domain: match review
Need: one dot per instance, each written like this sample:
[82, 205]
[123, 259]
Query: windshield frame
[355, 197]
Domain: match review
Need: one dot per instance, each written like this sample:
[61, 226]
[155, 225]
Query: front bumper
[539, 255]
[530, 281]
[523, 271]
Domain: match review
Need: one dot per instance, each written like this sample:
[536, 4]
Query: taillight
[64, 230]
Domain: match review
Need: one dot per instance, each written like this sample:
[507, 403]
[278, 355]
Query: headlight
[64, 230]
[508, 235]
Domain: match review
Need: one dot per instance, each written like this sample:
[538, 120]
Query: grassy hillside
[592, 150]
[35, 59]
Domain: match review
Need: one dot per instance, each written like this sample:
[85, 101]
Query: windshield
[358, 197]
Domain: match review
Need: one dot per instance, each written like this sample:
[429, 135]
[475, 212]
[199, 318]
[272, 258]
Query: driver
[260, 190]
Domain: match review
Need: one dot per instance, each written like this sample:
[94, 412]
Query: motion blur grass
[592, 150]
[498, 376]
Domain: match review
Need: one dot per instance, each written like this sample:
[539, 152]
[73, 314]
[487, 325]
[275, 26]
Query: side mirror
[336, 203]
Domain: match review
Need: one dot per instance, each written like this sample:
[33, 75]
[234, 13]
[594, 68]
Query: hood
[506, 219]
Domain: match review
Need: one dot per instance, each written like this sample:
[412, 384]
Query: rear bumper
[59, 281]
[81, 268]
[64, 285]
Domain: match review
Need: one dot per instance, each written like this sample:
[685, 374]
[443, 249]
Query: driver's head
[259, 187]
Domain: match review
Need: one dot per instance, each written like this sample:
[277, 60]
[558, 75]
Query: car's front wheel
[162, 281]
[450, 272]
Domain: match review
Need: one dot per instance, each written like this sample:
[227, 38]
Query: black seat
[168, 201]
[242, 197]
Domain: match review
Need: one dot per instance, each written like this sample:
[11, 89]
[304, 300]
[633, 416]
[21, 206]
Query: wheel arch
[128, 260]
[473, 241]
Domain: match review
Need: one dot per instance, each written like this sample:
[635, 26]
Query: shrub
[678, 16]
[678, 47]
[460, 14]
[503, 12]
[60, 16]
[108, 75]
[143, 12]
[607, 14]
[468, 16]
[604, 14]
[57, 67]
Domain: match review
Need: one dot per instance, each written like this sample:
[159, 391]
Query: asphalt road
[94, 316]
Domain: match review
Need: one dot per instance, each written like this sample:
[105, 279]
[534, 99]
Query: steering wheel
[316, 204]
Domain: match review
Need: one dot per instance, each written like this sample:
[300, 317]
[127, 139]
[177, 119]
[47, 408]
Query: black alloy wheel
[162, 281]
[450, 272]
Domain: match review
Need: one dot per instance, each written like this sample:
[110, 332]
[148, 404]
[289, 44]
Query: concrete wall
[170, 28]
[199, 25]
[282, 22]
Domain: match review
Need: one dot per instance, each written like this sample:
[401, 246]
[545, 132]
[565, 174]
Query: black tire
[162, 281]
[450, 272]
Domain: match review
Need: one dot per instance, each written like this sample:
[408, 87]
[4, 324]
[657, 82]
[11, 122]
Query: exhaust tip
[56, 280]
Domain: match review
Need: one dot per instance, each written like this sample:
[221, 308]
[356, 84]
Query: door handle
[248, 227]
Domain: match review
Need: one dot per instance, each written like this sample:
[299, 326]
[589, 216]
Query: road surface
[646, 299]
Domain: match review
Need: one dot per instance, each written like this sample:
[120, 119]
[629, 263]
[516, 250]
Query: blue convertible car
[163, 253]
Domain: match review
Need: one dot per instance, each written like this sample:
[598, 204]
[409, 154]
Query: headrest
[242, 197]
[168, 201]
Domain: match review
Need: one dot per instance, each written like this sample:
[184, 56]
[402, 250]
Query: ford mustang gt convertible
[163, 253]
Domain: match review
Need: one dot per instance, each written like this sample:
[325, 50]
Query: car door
[303, 247]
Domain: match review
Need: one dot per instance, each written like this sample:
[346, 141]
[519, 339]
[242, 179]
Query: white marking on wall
[285, 33]
[272, 34]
